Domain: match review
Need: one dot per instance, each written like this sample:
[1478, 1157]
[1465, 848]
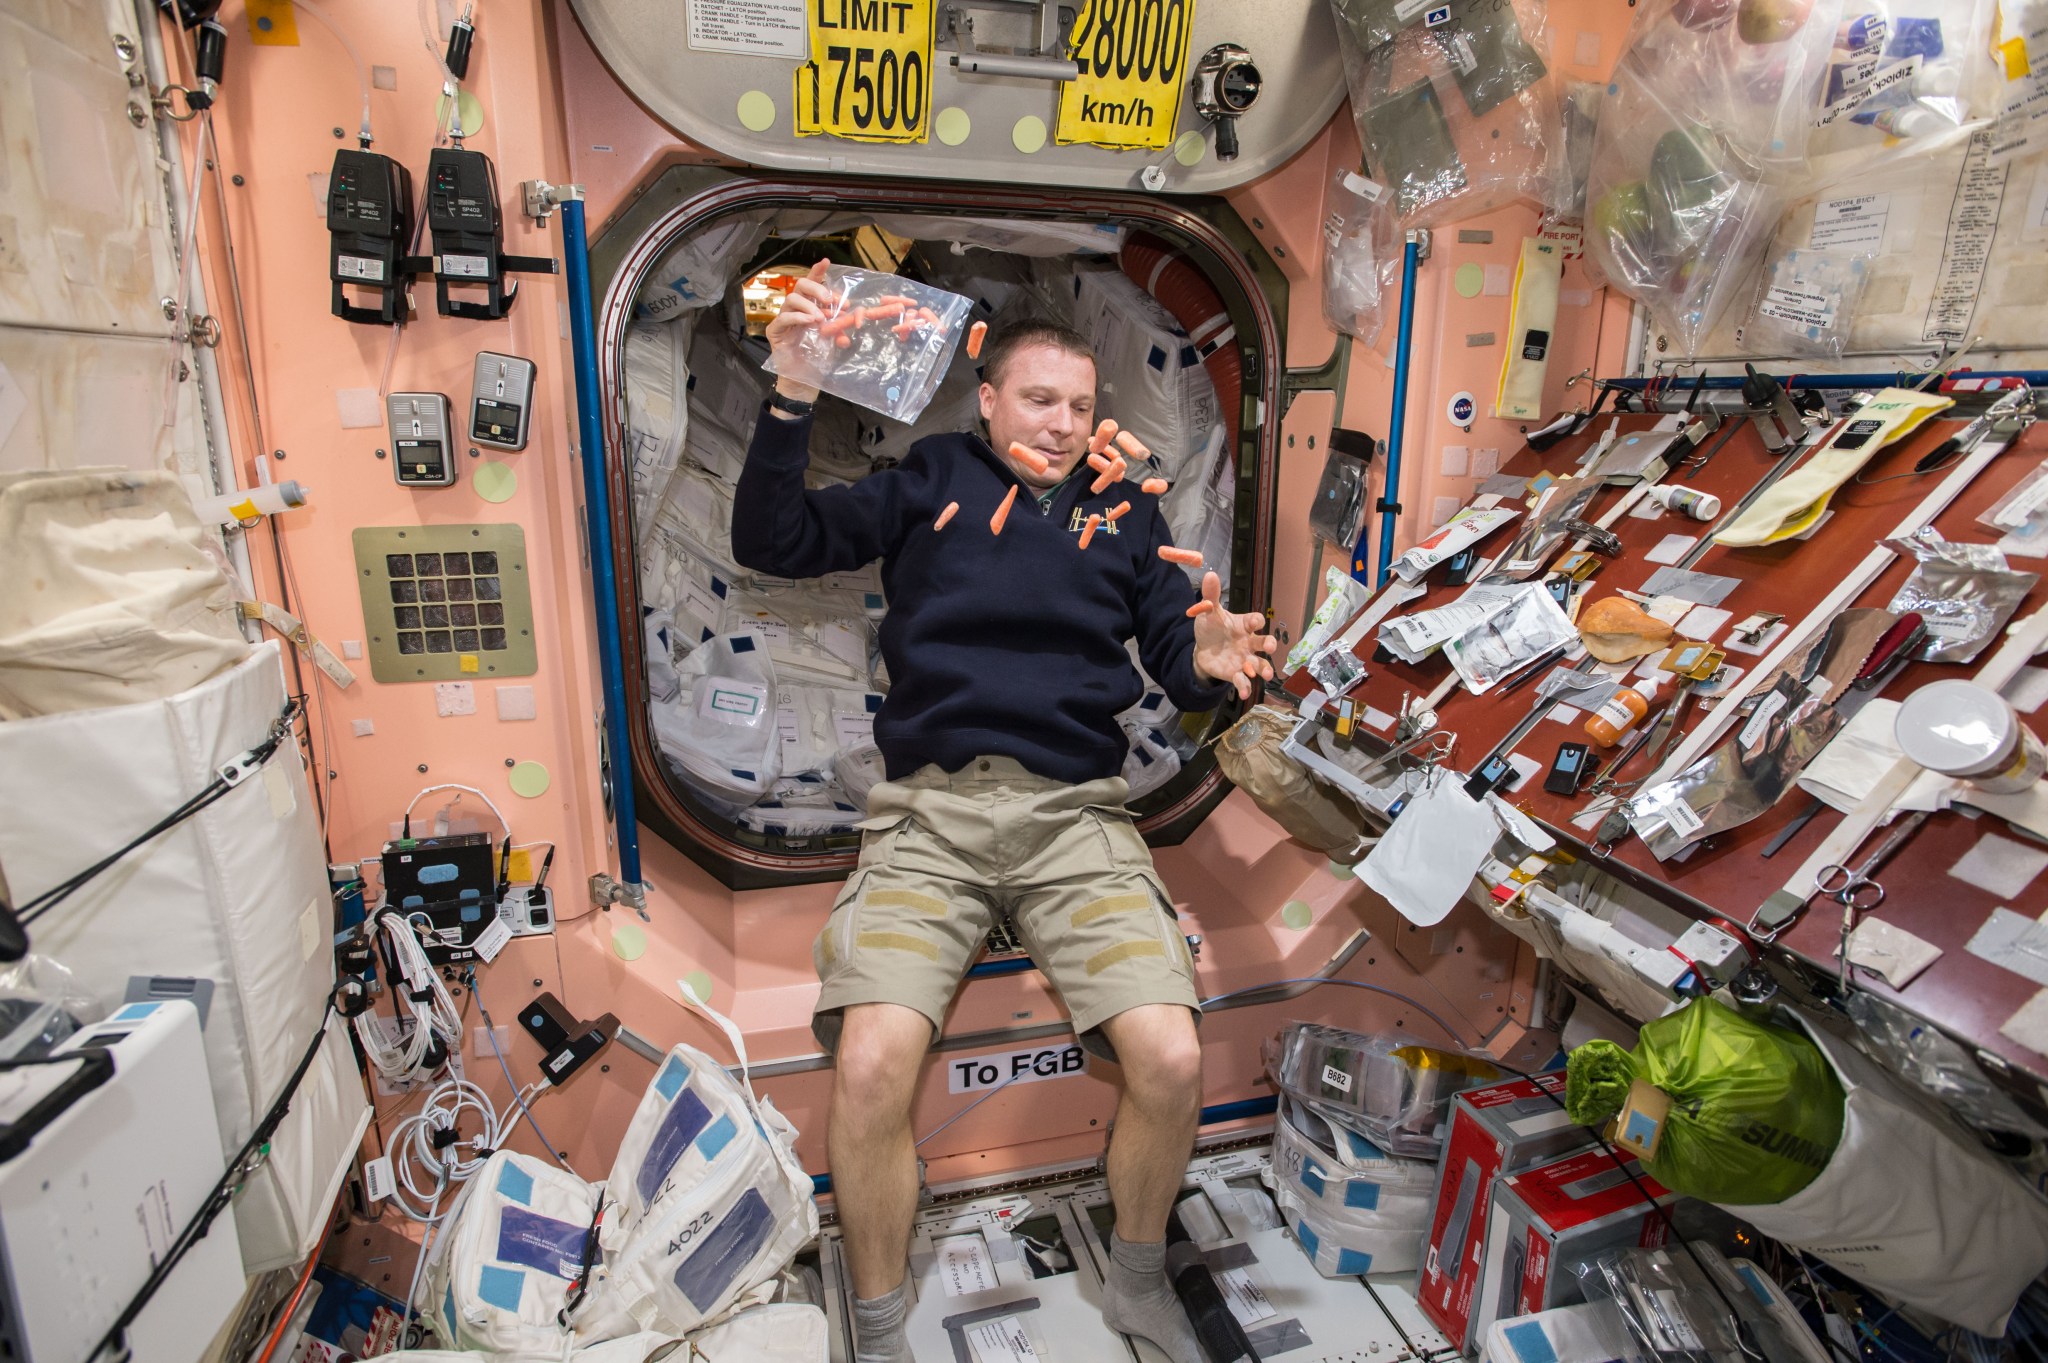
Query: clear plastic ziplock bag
[1455, 116]
[1702, 139]
[1906, 79]
[1361, 251]
[1806, 303]
[884, 344]
[1395, 1092]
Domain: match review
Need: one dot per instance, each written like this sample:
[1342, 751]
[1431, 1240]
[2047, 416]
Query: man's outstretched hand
[1229, 648]
[804, 307]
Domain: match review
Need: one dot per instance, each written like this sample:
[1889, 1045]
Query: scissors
[1852, 887]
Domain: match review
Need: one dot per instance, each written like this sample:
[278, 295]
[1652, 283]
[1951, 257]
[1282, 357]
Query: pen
[1534, 666]
[540, 881]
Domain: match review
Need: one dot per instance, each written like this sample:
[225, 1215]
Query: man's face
[1047, 402]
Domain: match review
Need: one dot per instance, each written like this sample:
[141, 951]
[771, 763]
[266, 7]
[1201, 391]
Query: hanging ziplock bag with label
[884, 344]
[711, 1199]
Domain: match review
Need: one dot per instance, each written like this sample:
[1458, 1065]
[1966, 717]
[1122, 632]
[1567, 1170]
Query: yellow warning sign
[1134, 60]
[869, 77]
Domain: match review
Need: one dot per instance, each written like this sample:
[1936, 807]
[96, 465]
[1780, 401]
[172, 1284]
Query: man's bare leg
[1148, 1157]
[874, 1166]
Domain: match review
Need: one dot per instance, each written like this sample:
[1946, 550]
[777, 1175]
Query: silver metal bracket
[606, 890]
[542, 199]
[1421, 237]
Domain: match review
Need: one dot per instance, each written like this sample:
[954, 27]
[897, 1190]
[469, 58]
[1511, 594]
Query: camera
[1226, 85]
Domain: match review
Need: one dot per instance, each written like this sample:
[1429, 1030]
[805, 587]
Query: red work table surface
[1727, 876]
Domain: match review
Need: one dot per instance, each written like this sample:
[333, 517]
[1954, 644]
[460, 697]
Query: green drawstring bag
[1756, 1110]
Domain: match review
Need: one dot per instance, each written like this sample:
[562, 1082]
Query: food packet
[885, 343]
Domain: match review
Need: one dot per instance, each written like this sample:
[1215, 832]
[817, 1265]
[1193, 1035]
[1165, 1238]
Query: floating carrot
[1100, 463]
[951, 509]
[1186, 557]
[1117, 469]
[1131, 445]
[1103, 480]
[1200, 608]
[995, 522]
[1104, 433]
[975, 334]
[1118, 510]
[1029, 457]
[1155, 486]
[1088, 530]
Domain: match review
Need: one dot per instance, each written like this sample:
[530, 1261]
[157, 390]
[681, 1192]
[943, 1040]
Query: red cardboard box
[1497, 1130]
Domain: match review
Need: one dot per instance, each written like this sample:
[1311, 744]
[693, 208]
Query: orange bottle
[1619, 711]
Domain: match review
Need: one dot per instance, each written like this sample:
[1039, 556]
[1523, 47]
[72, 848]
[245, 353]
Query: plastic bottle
[1961, 729]
[1619, 711]
[1701, 506]
[246, 504]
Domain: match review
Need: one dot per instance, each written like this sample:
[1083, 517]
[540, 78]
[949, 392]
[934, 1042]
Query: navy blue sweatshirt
[1006, 645]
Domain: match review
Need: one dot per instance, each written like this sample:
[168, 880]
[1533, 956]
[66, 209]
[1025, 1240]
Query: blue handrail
[1390, 494]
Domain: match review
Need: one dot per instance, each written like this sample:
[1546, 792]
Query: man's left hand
[1230, 648]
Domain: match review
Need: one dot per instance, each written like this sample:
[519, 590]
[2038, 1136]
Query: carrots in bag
[952, 510]
[1155, 486]
[995, 522]
[975, 335]
[1027, 456]
[1088, 530]
[1187, 558]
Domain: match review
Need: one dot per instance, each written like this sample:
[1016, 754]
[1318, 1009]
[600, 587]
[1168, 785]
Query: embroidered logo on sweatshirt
[1080, 519]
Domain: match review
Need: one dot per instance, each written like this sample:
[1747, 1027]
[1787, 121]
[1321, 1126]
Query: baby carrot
[1155, 486]
[975, 334]
[1088, 530]
[995, 522]
[1200, 608]
[1119, 509]
[1117, 468]
[882, 312]
[1100, 463]
[1029, 457]
[951, 509]
[1131, 445]
[1103, 480]
[1104, 433]
[1186, 557]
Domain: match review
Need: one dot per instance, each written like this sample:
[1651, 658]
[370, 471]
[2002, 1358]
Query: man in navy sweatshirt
[1007, 667]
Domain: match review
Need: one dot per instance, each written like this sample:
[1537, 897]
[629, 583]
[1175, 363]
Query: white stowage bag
[1150, 376]
[128, 604]
[500, 1271]
[695, 275]
[1150, 763]
[710, 1200]
[1198, 507]
[816, 636]
[1360, 1205]
[720, 732]
[657, 408]
[237, 894]
[1957, 1236]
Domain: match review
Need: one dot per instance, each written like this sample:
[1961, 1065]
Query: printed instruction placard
[758, 28]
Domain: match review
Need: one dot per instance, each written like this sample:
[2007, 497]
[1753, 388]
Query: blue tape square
[1529, 1342]
[1361, 1148]
[1640, 1131]
[1156, 359]
[541, 1243]
[1353, 1263]
[1363, 1193]
[1755, 1283]
[1312, 1177]
[716, 1137]
[134, 1011]
[516, 1184]
[1310, 1241]
[500, 1286]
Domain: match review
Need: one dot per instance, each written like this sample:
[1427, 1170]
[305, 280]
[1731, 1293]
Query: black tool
[1699, 461]
[1534, 667]
[469, 236]
[1459, 567]
[369, 230]
[1778, 421]
[567, 1042]
[1493, 773]
[1222, 1338]
[1568, 770]
[1605, 543]
[1791, 830]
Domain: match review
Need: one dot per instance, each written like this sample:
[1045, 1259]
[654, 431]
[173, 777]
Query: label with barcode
[378, 1183]
[1684, 822]
[1801, 307]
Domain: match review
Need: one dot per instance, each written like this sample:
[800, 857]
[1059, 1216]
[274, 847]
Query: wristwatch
[783, 403]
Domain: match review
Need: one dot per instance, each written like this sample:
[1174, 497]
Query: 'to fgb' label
[975, 1073]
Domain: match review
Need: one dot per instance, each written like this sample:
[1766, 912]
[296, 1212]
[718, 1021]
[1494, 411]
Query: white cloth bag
[711, 1200]
[111, 596]
[237, 894]
[1911, 1206]
[1362, 1202]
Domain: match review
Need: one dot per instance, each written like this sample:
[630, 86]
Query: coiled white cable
[430, 1016]
[426, 1169]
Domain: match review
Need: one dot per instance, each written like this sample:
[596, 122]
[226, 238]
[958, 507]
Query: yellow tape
[905, 899]
[467, 662]
[1103, 908]
[869, 77]
[1124, 951]
[898, 941]
[1134, 57]
[244, 510]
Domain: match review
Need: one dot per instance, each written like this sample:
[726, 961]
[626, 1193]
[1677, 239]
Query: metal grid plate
[445, 602]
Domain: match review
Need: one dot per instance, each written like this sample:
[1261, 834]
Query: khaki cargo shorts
[944, 853]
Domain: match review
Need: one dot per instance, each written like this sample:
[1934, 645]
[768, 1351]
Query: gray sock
[878, 1327]
[1137, 1299]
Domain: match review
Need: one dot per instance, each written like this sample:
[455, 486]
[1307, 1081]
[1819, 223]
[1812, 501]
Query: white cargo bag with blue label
[709, 1198]
[511, 1248]
[1355, 1208]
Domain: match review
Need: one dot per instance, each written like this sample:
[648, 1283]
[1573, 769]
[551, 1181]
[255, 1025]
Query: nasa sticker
[1435, 15]
[1463, 407]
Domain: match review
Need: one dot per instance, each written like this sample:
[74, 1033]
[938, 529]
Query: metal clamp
[541, 199]
[606, 890]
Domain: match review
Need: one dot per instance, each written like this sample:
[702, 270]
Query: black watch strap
[793, 406]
